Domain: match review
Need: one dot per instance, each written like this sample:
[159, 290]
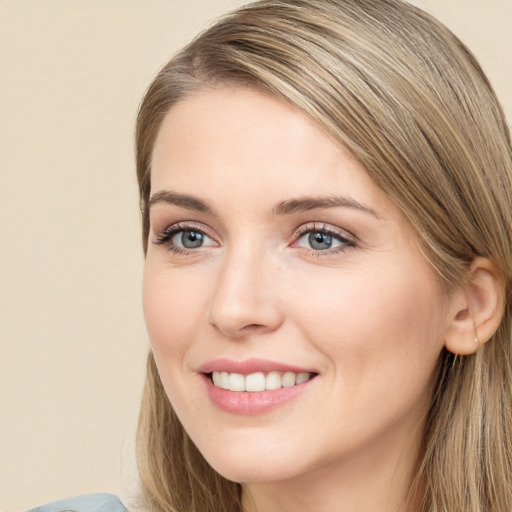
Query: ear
[476, 309]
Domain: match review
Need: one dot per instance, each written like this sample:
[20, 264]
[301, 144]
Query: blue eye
[320, 241]
[180, 238]
[189, 239]
[323, 240]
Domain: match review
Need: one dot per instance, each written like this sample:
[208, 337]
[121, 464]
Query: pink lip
[250, 403]
[247, 403]
[248, 366]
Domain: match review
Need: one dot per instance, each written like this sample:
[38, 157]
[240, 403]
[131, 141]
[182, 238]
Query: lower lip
[247, 403]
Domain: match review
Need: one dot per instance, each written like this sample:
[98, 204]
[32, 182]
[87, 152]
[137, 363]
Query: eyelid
[165, 236]
[348, 238]
[326, 228]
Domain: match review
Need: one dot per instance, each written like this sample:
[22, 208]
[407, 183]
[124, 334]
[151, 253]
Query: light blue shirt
[85, 503]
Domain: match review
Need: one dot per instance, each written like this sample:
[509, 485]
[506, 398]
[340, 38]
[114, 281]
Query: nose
[246, 299]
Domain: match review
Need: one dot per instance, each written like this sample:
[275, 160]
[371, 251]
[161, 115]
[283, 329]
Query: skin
[369, 315]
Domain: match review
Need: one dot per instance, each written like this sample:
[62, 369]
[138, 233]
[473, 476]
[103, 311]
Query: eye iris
[320, 241]
[191, 239]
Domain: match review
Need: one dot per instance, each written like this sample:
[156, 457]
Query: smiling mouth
[259, 381]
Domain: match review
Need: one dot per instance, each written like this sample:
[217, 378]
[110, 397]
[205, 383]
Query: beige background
[72, 339]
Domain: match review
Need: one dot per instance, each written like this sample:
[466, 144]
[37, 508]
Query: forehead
[234, 141]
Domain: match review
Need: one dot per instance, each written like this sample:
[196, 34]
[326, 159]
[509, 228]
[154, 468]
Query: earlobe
[477, 308]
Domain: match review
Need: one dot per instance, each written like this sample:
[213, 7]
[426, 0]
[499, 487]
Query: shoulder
[85, 503]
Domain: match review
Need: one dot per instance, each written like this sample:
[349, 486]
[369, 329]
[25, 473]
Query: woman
[326, 200]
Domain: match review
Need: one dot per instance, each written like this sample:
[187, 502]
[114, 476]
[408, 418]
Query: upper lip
[249, 366]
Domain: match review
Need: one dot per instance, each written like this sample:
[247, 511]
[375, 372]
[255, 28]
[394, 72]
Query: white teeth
[258, 381]
[224, 380]
[255, 382]
[236, 382]
[216, 377]
[288, 380]
[273, 380]
[302, 377]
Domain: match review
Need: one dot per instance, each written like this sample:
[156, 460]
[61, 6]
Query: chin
[247, 473]
[258, 464]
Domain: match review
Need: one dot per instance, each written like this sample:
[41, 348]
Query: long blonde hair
[410, 102]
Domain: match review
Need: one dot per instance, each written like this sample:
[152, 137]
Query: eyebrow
[287, 207]
[184, 200]
[303, 204]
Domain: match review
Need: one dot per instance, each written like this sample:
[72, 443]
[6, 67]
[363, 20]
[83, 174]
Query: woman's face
[276, 267]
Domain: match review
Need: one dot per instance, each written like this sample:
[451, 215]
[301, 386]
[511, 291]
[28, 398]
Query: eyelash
[165, 237]
[343, 237]
[347, 240]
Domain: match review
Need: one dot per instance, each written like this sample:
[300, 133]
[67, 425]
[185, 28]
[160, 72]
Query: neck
[377, 479]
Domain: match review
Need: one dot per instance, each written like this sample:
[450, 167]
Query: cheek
[172, 311]
[383, 324]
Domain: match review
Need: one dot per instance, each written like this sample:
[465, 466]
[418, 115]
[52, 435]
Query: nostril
[252, 327]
